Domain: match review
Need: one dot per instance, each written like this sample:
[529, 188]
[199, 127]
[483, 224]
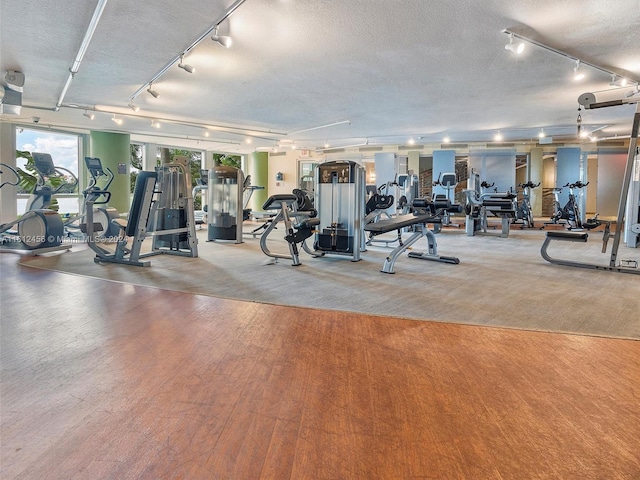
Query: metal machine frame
[588, 100]
[340, 198]
[149, 216]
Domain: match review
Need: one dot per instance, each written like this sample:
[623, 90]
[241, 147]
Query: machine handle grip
[101, 193]
[75, 179]
[12, 171]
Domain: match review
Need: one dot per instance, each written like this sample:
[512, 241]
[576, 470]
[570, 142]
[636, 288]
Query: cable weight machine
[628, 219]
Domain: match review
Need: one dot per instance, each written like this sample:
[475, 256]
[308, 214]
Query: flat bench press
[418, 223]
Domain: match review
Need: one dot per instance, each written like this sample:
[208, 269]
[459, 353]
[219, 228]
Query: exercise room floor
[104, 380]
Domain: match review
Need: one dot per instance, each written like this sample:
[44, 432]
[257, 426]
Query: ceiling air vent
[334, 150]
[460, 146]
[277, 154]
[370, 149]
[500, 145]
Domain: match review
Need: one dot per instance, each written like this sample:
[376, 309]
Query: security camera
[35, 119]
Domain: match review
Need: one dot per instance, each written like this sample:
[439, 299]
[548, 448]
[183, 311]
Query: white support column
[149, 159]
[535, 175]
[208, 159]
[8, 205]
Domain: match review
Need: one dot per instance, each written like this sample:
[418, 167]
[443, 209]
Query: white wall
[611, 166]
[287, 163]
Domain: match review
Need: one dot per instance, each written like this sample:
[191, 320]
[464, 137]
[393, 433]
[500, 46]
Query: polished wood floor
[104, 380]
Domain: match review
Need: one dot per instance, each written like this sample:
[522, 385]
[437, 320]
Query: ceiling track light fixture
[90, 116]
[213, 28]
[577, 74]
[579, 62]
[541, 134]
[222, 40]
[153, 93]
[185, 66]
[498, 137]
[155, 124]
[617, 81]
[118, 116]
[516, 48]
[446, 139]
[592, 134]
[133, 107]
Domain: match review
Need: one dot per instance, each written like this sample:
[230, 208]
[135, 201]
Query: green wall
[113, 149]
[258, 168]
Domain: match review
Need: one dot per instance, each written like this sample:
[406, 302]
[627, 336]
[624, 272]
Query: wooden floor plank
[105, 380]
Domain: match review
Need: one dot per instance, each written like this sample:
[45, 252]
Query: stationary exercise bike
[523, 209]
[571, 211]
[39, 229]
[448, 182]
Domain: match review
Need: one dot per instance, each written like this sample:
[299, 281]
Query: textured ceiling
[394, 69]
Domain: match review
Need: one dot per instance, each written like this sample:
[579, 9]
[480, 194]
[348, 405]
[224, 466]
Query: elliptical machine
[39, 229]
[99, 196]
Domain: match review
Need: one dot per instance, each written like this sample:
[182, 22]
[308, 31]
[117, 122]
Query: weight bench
[419, 225]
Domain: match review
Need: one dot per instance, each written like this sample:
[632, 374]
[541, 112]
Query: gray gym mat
[500, 282]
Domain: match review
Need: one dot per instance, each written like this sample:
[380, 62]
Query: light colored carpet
[499, 282]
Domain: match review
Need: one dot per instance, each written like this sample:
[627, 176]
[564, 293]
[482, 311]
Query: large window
[63, 148]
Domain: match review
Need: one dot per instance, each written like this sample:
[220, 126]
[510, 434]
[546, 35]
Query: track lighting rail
[579, 61]
[179, 57]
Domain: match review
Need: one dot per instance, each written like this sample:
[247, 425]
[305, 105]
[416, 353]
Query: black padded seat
[307, 223]
[494, 202]
[274, 202]
[401, 221]
[138, 199]
[568, 236]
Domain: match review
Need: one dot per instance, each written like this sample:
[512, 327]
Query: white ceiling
[393, 69]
